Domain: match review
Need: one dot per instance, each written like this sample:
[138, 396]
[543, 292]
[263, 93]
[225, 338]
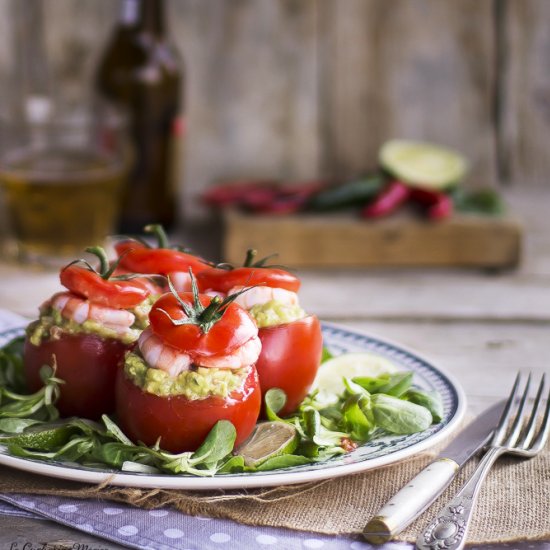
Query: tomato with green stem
[121, 292]
[291, 352]
[139, 257]
[84, 359]
[253, 273]
[200, 327]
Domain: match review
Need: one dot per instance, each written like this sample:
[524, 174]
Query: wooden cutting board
[342, 240]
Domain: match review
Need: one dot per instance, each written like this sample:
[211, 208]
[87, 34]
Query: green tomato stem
[99, 252]
[158, 231]
[250, 255]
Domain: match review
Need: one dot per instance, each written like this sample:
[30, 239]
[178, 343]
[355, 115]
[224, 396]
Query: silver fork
[449, 529]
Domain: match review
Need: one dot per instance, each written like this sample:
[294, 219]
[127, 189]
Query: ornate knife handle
[449, 528]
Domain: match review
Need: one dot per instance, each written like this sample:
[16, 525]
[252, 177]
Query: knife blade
[407, 504]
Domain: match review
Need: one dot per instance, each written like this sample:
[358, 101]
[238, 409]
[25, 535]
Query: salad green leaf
[11, 365]
[274, 400]
[366, 408]
[218, 443]
[391, 384]
[431, 400]
[399, 416]
[283, 461]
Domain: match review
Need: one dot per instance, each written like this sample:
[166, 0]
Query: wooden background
[307, 88]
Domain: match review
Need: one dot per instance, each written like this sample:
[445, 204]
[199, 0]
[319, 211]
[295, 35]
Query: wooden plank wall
[307, 88]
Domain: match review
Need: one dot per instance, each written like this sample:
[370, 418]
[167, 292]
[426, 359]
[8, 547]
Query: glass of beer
[61, 174]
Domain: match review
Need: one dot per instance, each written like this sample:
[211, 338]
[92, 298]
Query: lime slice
[42, 438]
[423, 164]
[349, 365]
[268, 440]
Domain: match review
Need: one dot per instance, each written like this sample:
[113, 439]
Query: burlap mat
[514, 503]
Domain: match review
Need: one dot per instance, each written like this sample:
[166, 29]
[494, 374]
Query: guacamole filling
[51, 325]
[196, 383]
[141, 311]
[275, 313]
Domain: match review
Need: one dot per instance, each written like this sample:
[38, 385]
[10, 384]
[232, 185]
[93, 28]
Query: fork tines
[528, 432]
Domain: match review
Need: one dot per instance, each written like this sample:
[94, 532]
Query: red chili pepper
[301, 189]
[289, 199]
[438, 205]
[392, 196]
[281, 206]
[256, 199]
[233, 193]
[347, 444]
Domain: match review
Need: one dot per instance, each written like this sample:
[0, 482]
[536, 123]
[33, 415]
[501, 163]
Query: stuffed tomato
[290, 358]
[291, 340]
[137, 257]
[192, 367]
[84, 333]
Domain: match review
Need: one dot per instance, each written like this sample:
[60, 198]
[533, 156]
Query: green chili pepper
[352, 193]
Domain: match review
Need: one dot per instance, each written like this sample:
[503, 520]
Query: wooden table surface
[479, 327]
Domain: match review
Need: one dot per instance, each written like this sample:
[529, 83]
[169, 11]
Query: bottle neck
[143, 15]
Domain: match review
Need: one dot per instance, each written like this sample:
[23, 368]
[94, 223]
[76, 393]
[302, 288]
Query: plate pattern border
[339, 340]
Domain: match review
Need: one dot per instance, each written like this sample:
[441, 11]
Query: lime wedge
[268, 440]
[423, 164]
[349, 365]
[42, 438]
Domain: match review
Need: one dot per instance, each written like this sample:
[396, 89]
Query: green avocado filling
[275, 313]
[51, 324]
[198, 383]
[142, 310]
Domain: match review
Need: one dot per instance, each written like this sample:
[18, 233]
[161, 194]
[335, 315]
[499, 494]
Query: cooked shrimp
[260, 295]
[181, 281]
[244, 356]
[151, 283]
[162, 356]
[78, 309]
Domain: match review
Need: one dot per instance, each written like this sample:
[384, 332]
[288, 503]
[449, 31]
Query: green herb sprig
[19, 411]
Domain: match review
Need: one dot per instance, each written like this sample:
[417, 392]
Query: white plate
[374, 454]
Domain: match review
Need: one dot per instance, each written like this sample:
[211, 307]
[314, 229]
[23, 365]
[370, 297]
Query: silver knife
[424, 488]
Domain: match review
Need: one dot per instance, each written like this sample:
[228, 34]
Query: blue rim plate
[376, 453]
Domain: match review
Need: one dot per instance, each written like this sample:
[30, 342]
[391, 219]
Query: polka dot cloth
[173, 533]
[167, 529]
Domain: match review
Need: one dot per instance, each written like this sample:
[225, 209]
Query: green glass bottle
[141, 70]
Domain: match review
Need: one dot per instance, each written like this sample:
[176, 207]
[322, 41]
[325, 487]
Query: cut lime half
[349, 365]
[422, 164]
[268, 440]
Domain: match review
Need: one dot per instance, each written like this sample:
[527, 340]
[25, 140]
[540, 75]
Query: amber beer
[141, 71]
[59, 200]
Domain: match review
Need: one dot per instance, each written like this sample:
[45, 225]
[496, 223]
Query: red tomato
[87, 363]
[224, 280]
[137, 258]
[115, 294]
[182, 424]
[290, 357]
[234, 329]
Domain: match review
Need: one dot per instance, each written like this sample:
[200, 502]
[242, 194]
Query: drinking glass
[61, 174]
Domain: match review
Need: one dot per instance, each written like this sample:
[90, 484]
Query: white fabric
[11, 320]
